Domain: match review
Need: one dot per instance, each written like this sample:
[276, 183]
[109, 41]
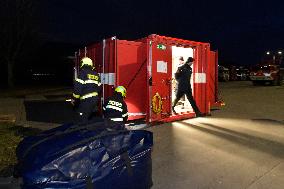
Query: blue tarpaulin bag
[88, 156]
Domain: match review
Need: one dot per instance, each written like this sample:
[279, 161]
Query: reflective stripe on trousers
[116, 119]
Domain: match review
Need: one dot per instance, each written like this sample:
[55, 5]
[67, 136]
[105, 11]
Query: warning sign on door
[162, 67]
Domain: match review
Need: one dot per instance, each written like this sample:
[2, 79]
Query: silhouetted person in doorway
[183, 76]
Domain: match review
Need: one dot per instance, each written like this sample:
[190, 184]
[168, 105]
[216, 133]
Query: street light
[274, 54]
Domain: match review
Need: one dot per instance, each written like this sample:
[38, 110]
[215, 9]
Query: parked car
[223, 73]
[242, 74]
[267, 73]
[232, 73]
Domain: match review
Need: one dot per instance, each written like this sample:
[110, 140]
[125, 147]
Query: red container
[146, 68]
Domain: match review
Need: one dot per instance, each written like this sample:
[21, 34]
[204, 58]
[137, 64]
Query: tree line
[19, 33]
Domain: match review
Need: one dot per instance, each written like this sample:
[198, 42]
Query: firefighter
[87, 87]
[183, 75]
[115, 109]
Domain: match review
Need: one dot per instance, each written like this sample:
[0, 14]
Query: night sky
[240, 30]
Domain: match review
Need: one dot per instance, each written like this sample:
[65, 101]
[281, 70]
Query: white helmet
[86, 61]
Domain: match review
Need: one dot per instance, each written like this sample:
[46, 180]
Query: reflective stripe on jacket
[87, 85]
[115, 108]
[89, 95]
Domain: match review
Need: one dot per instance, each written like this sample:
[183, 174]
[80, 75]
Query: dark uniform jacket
[115, 108]
[87, 84]
[183, 76]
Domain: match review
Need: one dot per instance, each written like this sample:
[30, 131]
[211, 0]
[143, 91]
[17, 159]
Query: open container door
[108, 66]
[212, 84]
[131, 72]
[103, 54]
[160, 74]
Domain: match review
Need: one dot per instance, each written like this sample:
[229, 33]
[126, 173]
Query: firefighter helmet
[122, 90]
[86, 61]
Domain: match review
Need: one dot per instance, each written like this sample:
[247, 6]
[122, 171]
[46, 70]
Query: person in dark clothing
[115, 109]
[87, 87]
[183, 76]
[181, 61]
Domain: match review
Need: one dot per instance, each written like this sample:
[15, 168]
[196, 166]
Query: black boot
[173, 109]
[200, 114]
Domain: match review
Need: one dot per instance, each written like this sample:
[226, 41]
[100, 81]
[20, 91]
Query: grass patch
[10, 136]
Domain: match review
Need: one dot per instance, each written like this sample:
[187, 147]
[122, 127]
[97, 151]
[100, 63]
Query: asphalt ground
[241, 146]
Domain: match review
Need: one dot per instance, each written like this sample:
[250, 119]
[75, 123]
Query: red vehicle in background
[266, 73]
